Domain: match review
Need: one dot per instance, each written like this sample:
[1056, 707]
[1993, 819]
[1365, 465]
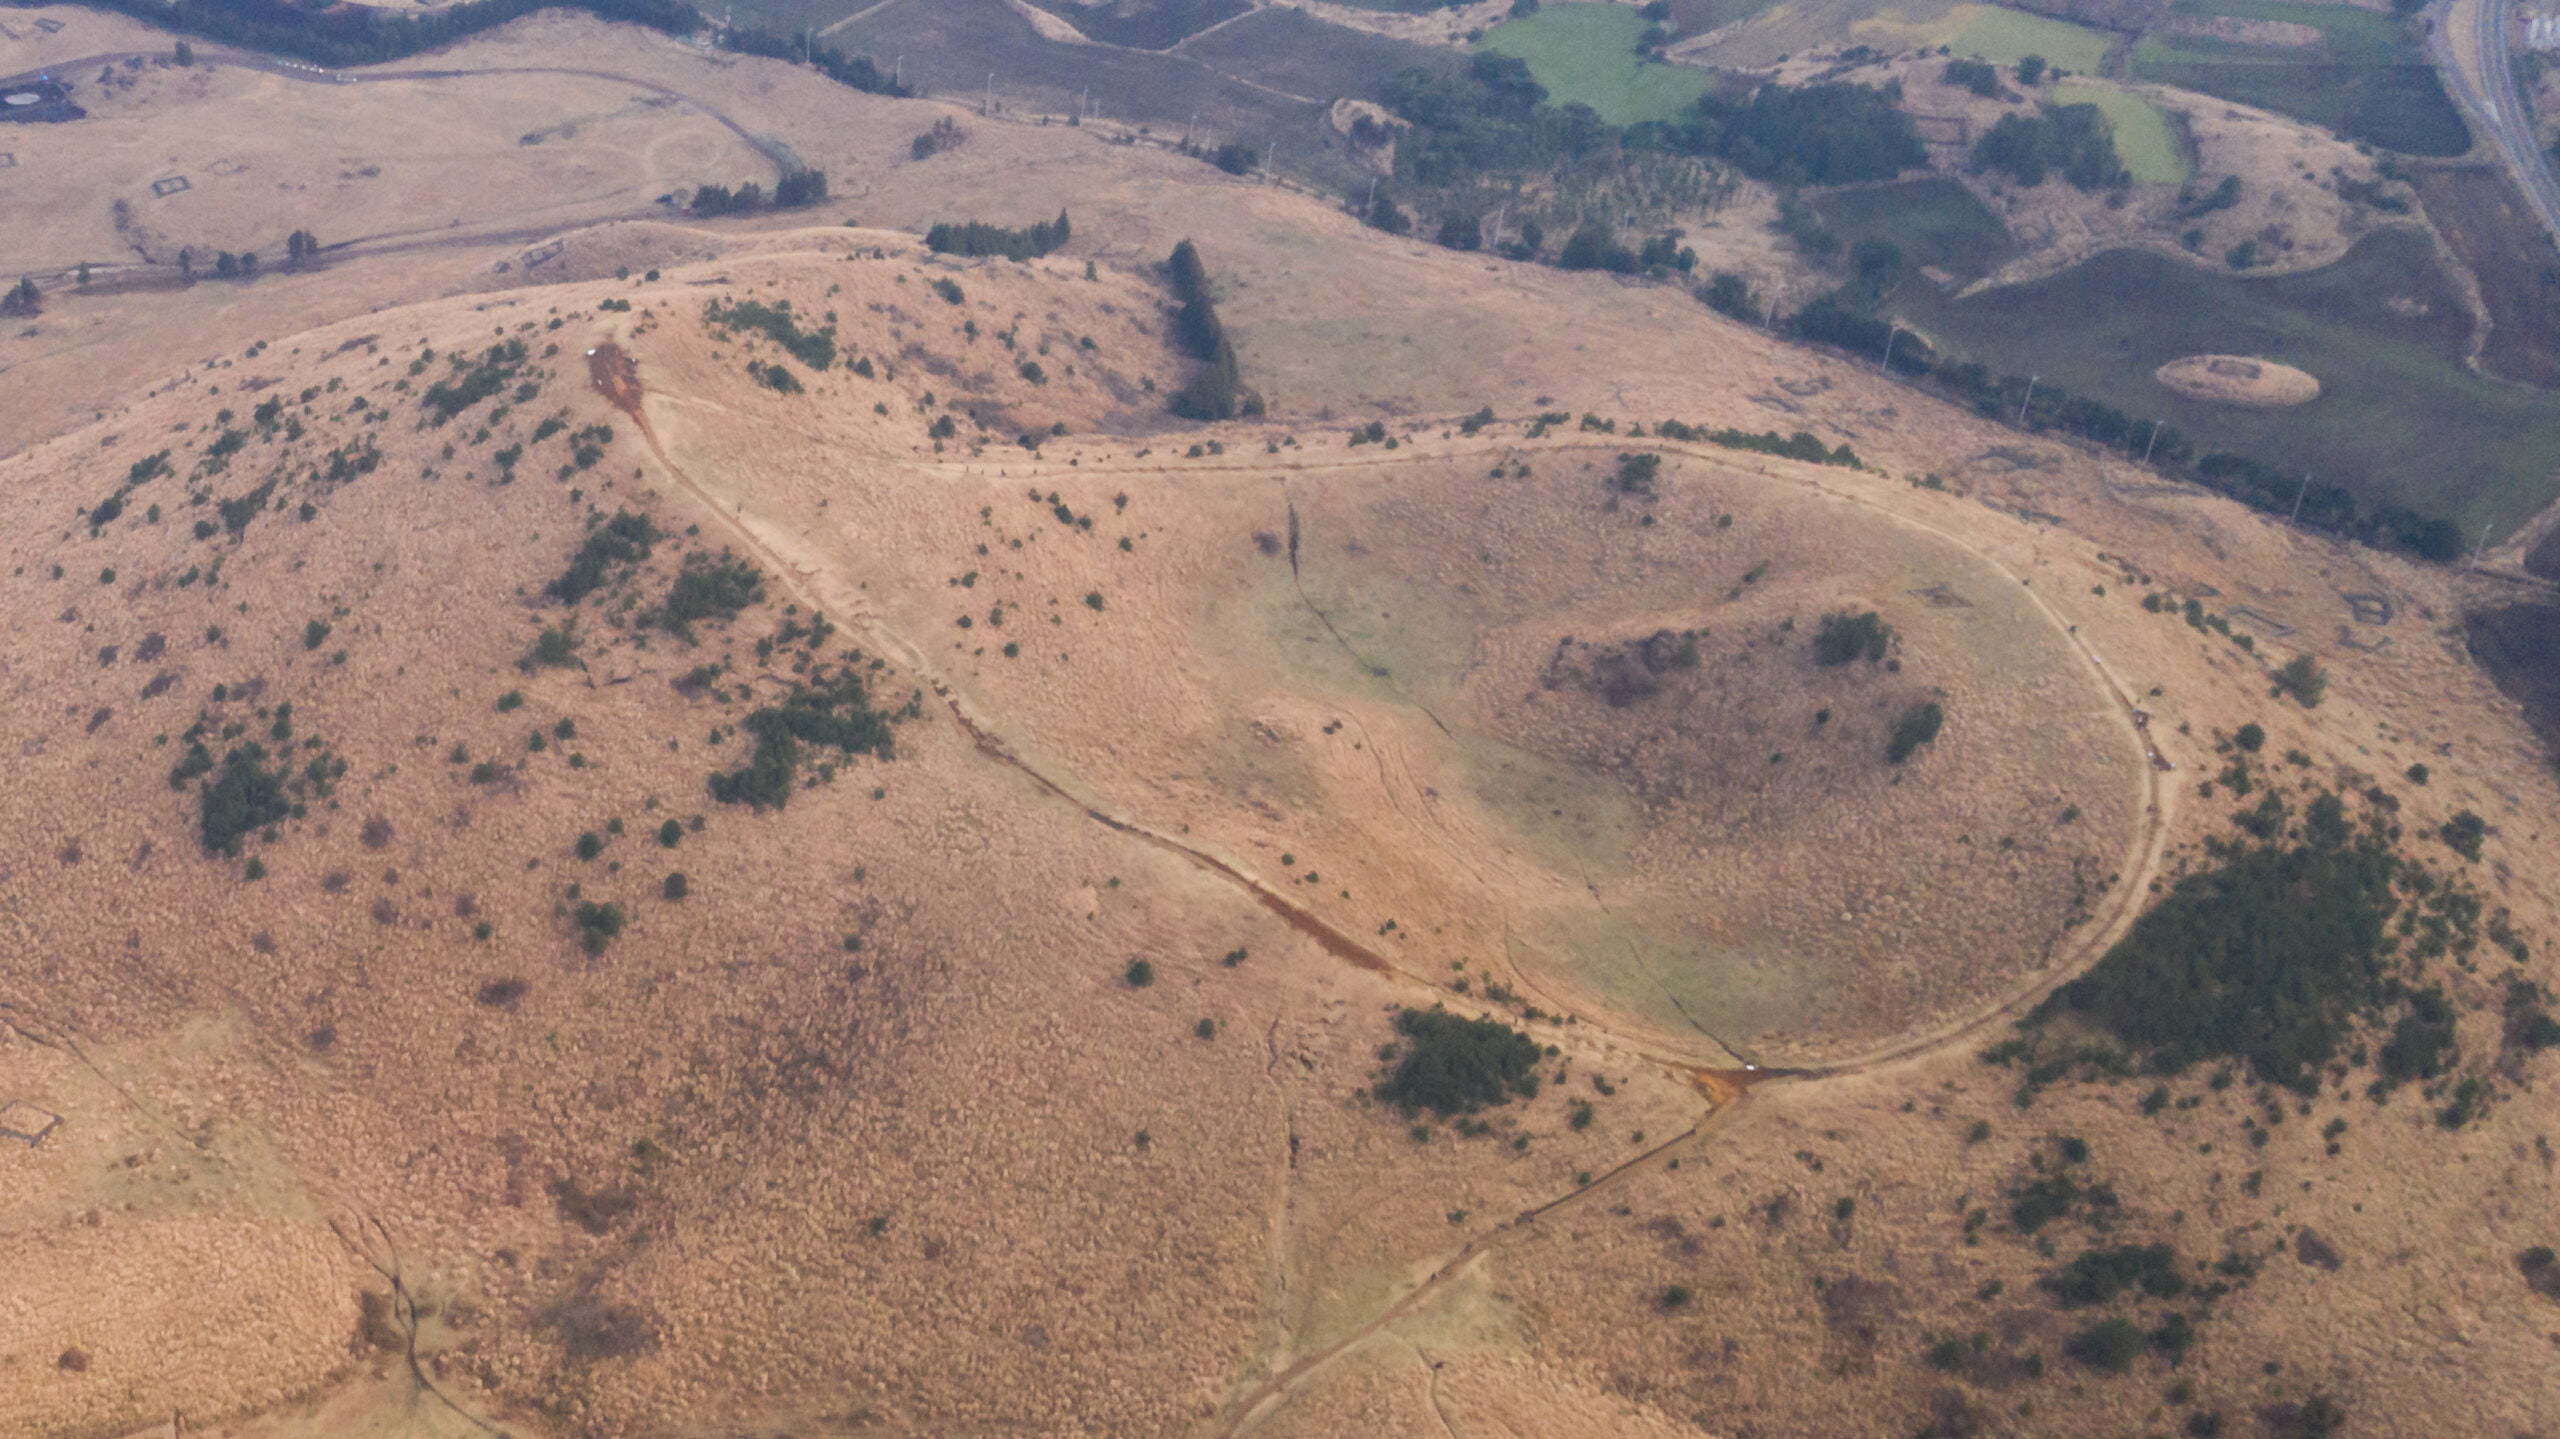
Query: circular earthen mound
[2238, 380]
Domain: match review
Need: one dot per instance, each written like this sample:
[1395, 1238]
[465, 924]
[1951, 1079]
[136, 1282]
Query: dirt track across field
[616, 377]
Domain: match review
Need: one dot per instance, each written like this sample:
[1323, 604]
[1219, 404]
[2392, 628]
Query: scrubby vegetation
[1918, 725]
[472, 382]
[1845, 636]
[824, 713]
[2293, 937]
[1455, 1066]
[973, 237]
[813, 348]
[624, 540]
[1798, 446]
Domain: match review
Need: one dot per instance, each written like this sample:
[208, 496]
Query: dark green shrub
[626, 539]
[1844, 637]
[675, 886]
[598, 925]
[2302, 678]
[708, 589]
[2110, 1346]
[2101, 1274]
[1452, 1065]
[1918, 726]
[243, 798]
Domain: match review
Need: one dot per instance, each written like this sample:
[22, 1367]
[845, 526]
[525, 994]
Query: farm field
[1691, 18]
[2484, 220]
[1291, 50]
[2143, 138]
[1157, 25]
[2004, 37]
[1936, 223]
[952, 47]
[2400, 419]
[1586, 54]
[2366, 79]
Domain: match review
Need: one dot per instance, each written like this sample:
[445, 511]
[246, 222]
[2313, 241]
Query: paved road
[2468, 39]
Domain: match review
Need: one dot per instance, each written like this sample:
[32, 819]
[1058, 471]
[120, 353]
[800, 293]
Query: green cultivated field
[1586, 54]
[2400, 418]
[2142, 133]
[2004, 37]
[2367, 79]
[1935, 223]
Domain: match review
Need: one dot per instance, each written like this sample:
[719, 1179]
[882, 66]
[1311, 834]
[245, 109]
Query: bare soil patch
[2239, 380]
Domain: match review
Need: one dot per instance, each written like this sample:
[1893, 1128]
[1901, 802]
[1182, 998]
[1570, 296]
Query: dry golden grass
[317, 1095]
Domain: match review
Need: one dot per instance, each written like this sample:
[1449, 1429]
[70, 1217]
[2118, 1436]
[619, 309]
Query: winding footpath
[615, 376]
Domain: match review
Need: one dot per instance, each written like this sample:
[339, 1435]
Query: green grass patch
[1936, 223]
[2367, 79]
[2143, 138]
[2348, 33]
[2004, 37]
[1586, 54]
[2400, 419]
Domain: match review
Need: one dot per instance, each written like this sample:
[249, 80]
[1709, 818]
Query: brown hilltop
[875, 1131]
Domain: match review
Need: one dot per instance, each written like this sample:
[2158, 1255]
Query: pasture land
[1696, 17]
[952, 47]
[1293, 51]
[1158, 25]
[1587, 54]
[2367, 79]
[1936, 223]
[2482, 218]
[2400, 419]
[2004, 37]
[2144, 140]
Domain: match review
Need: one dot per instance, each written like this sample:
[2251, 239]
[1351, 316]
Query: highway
[2469, 41]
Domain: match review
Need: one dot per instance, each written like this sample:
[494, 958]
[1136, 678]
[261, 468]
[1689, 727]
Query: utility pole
[1369, 206]
[991, 94]
[2030, 399]
[2299, 496]
[1890, 335]
[2148, 443]
[2481, 548]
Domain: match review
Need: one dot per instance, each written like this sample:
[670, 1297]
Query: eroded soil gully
[616, 377]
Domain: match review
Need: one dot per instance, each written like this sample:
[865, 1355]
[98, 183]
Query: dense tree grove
[2280, 952]
[1453, 1066]
[365, 35]
[1218, 391]
[794, 189]
[2070, 140]
[856, 71]
[22, 299]
[1493, 117]
[977, 238]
